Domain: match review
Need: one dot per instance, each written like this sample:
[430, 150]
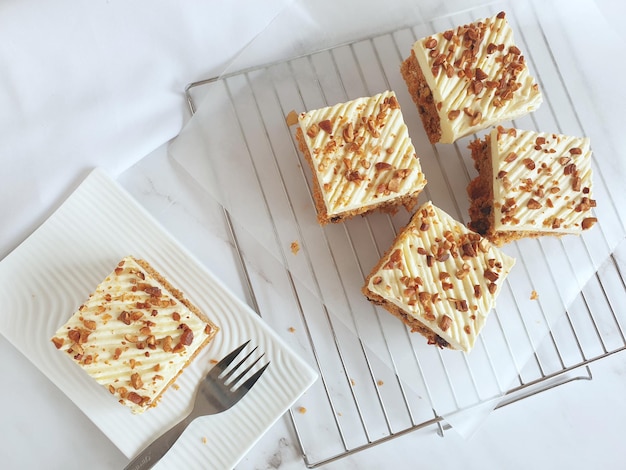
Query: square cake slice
[469, 78]
[135, 334]
[530, 184]
[439, 278]
[361, 157]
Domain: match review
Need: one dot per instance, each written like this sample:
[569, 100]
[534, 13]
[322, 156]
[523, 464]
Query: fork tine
[234, 368]
[226, 360]
[247, 385]
[239, 377]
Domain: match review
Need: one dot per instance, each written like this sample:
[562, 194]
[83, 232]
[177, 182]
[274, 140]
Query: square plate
[46, 278]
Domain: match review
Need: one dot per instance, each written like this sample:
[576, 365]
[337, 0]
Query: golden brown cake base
[480, 192]
[422, 97]
[408, 201]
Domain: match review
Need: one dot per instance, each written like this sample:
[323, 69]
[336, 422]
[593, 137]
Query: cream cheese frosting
[477, 75]
[133, 335]
[361, 152]
[443, 275]
[542, 182]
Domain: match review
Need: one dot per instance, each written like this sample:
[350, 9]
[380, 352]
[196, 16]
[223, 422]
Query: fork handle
[155, 451]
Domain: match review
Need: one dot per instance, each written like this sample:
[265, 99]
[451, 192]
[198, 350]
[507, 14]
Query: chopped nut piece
[124, 317]
[445, 322]
[588, 222]
[313, 131]
[292, 118]
[533, 204]
[135, 381]
[187, 337]
[430, 43]
[326, 126]
[491, 275]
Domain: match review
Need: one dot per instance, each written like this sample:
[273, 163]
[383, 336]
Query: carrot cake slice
[135, 334]
[530, 184]
[439, 278]
[469, 78]
[361, 157]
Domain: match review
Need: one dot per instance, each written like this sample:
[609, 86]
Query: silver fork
[214, 395]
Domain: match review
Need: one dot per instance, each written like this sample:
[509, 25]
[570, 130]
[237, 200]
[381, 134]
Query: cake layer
[440, 278]
[361, 157]
[135, 334]
[477, 77]
[541, 181]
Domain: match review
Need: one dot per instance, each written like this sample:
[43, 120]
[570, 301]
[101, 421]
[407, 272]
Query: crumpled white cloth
[100, 83]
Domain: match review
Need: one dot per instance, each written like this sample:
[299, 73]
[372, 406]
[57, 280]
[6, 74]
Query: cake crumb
[176, 386]
[291, 329]
[213, 361]
[352, 382]
[380, 383]
[292, 118]
[302, 410]
[204, 439]
[534, 295]
[295, 247]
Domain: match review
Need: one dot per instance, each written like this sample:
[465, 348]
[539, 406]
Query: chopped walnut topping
[135, 381]
[74, 335]
[58, 342]
[430, 43]
[477, 291]
[167, 343]
[124, 317]
[187, 337]
[326, 126]
[445, 322]
[348, 132]
[478, 116]
[533, 204]
[135, 398]
[131, 338]
[588, 222]
[575, 151]
[570, 169]
[453, 114]
[510, 157]
[491, 275]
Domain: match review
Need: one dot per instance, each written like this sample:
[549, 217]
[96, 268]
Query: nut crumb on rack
[291, 329]
[292, 118]
[534, 295]
[301, 410]
[295, 247]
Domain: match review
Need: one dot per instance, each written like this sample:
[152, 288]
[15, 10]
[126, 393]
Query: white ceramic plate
[45, 279]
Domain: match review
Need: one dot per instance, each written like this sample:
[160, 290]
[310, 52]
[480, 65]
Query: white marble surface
[102, 87]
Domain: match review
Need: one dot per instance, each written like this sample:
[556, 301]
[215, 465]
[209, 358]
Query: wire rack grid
[377, 380]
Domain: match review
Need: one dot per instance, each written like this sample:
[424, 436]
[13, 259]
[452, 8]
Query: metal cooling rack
[361, 398]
